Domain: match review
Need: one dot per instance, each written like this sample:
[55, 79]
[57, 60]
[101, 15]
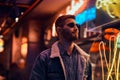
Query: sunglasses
[71, 25]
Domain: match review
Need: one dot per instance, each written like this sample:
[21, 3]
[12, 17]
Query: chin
[74, 38]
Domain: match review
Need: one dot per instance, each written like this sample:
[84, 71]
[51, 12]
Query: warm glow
[75, 5]
[1, 42]
[54, 33]
[24, 39]
[1, 45]
[1, 49]
[49, 34]
[24, 47]
[53, 30]
[21, 63]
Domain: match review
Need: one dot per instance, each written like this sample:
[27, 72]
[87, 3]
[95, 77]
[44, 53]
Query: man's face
[70, 30]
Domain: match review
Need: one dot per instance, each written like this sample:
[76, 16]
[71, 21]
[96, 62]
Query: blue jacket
[49, 65]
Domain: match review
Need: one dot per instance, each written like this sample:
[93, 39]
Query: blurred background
[27, 28]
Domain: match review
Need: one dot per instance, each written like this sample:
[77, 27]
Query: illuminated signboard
[112, 7]
[87, 15]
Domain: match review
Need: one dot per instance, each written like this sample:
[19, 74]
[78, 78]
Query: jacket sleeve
[39, 69]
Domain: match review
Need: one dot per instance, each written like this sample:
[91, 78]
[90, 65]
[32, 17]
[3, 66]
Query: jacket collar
[55, 52]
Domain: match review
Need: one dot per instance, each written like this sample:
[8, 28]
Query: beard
[70, 36]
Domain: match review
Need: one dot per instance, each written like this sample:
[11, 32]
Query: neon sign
[87, 15]
[72, 9]
[106, 4]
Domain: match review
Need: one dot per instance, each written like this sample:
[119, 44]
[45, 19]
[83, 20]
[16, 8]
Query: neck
[68, 46]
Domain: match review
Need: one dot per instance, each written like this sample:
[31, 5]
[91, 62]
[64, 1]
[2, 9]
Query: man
[65, 60]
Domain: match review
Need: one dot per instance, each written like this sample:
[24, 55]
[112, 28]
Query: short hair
[61, 20]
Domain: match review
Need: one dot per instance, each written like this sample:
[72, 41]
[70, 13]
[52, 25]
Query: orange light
[1, 45]
[24, 47]
[24, 39]
[110, 32]
[95, 47]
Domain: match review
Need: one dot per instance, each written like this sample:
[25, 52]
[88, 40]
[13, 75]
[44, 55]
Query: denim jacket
[49, 65]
